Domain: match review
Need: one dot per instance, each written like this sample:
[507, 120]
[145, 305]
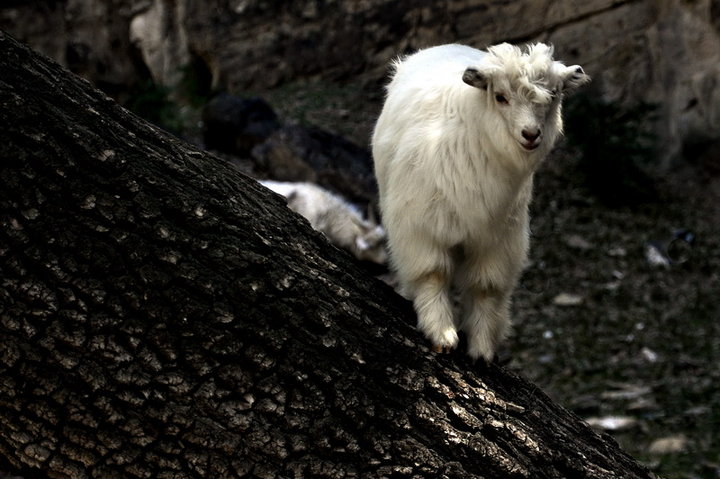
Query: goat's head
[525, 89]
[370, 242]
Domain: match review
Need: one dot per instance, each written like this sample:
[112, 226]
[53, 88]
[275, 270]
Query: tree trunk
[164, 316]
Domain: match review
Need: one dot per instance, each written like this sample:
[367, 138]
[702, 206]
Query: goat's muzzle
[531, 137]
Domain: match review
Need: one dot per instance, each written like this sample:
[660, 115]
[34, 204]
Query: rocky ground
[630, 344]
[625, 342]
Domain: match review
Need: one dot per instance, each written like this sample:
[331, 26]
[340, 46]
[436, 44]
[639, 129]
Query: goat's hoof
[442, 349]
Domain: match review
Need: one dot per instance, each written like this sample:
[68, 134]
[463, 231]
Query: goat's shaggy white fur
[460, 135]
[340, 221]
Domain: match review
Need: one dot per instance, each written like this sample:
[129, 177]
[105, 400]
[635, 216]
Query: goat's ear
[292, 196]
[474, 77]
[573, 77]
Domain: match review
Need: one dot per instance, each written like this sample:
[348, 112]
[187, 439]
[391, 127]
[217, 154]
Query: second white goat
[340, 221]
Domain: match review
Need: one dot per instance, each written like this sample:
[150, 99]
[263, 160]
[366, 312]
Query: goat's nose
[531, 135]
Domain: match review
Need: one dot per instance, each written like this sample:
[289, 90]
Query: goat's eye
[500, 98]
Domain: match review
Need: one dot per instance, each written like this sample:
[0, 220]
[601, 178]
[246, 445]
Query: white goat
[340, 221]
[460, 135]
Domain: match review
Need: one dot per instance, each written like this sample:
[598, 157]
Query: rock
[655, 255]
[163, 46]
[617, 251]
[297, 153]
[612, 423]
[676, 249]
[642, 404]
[669, 445]
[235, 125]
[626, 392]
[649, 355]
[567, 299]
[90, 37]
[578, 242]
[680, 247]
[700, 410]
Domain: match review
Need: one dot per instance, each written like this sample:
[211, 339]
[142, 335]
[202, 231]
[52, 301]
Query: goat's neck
[514, 165]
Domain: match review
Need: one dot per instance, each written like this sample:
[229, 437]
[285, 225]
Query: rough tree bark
[163, 316]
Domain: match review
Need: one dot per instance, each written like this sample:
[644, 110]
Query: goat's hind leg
[486, 320]
[434, 310]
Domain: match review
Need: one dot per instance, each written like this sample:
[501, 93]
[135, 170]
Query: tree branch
[163, 315]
